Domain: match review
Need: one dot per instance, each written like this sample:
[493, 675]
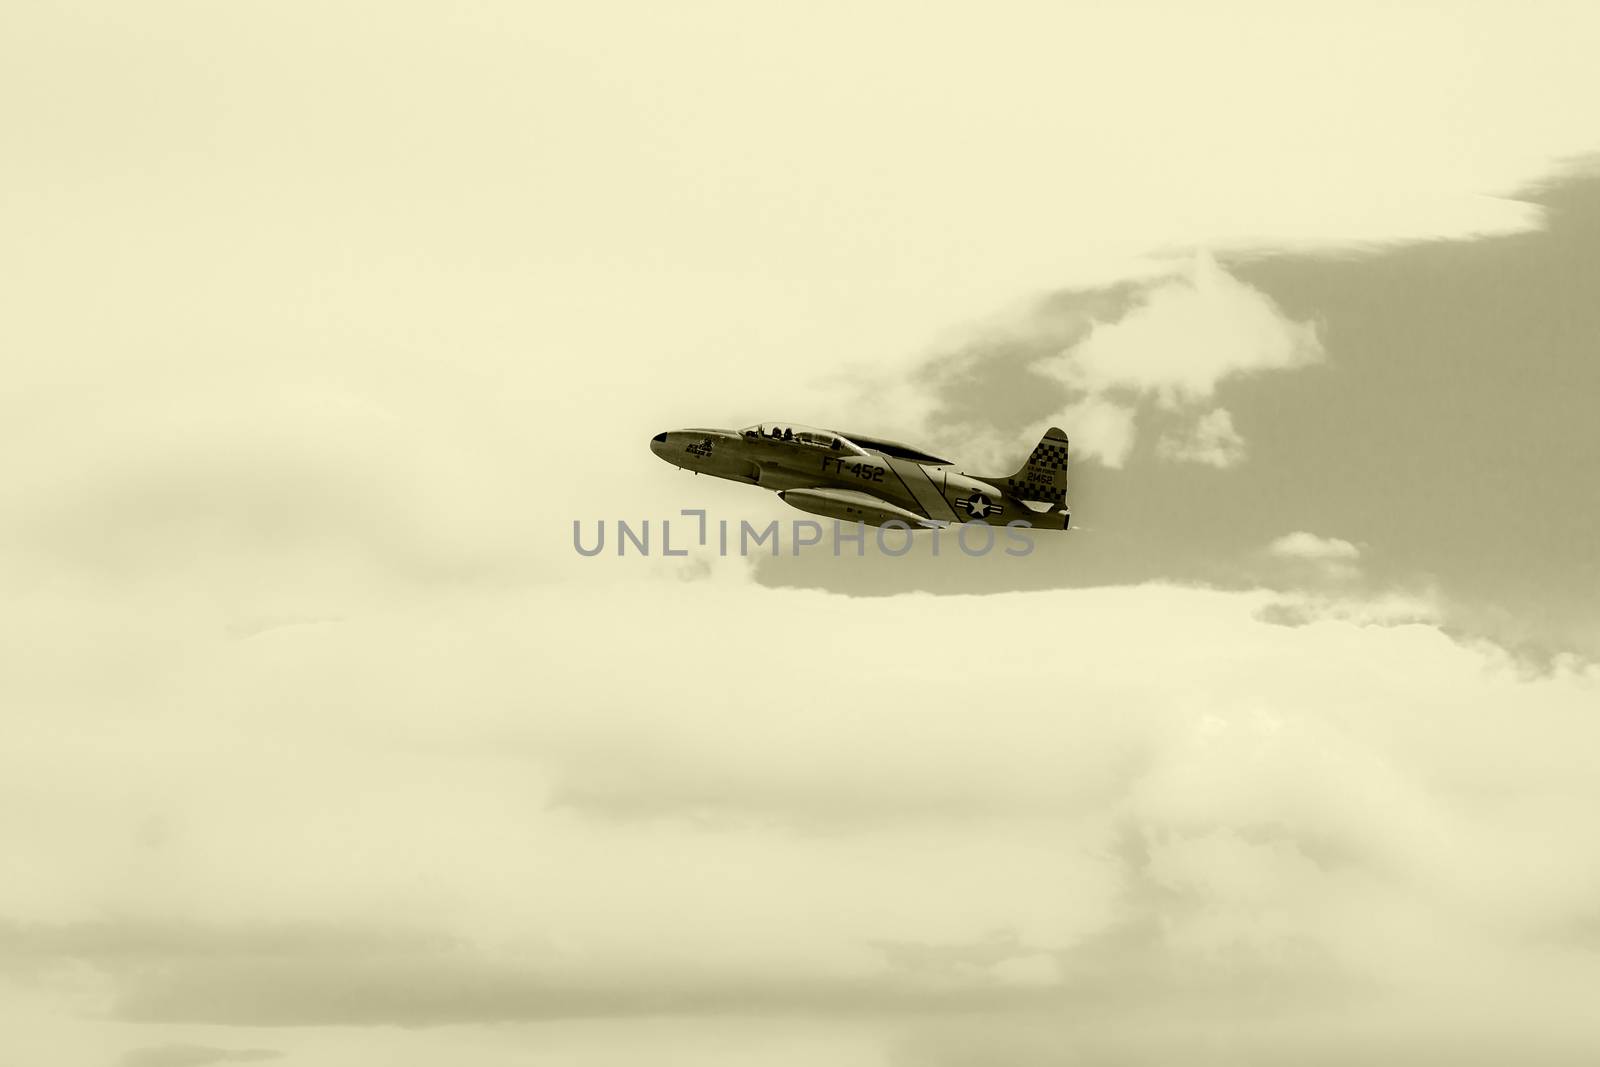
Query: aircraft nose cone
[658, 445]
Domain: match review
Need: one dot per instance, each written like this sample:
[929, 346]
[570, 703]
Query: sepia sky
[324, 322]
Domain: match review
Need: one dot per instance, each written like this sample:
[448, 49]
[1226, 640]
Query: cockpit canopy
[804, 435]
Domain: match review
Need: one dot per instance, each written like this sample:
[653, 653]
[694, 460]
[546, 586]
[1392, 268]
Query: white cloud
[1303, 545]
[1100, 428]
[1212, 440]
[1388, 608]
[194, 1056]
[1167, 347]
[1182, 337]
[1153, 794]
[1306, 556]
[1185, 336]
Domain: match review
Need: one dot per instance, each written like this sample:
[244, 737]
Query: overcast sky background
[322, 323]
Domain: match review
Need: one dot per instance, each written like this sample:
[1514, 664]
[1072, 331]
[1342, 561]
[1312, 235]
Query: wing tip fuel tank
[849, 506]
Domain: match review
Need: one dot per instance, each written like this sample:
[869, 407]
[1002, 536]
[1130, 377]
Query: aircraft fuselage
[828, 474]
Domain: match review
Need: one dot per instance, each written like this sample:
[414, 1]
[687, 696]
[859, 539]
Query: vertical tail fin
[1044, 476]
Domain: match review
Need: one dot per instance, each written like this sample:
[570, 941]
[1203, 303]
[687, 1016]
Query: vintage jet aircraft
[871, 480]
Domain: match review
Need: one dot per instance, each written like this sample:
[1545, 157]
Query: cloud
[1175, 342]
[194, 1056]
[1135, 804]
[1212, 440]
[276, 974]
[1185, 336]
[1098, 361]
[1302, 545]
[285, 504]
[1392, 608]
[1102, 429]
[1307, 559]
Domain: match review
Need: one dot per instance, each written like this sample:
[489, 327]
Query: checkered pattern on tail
[1044, 476]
